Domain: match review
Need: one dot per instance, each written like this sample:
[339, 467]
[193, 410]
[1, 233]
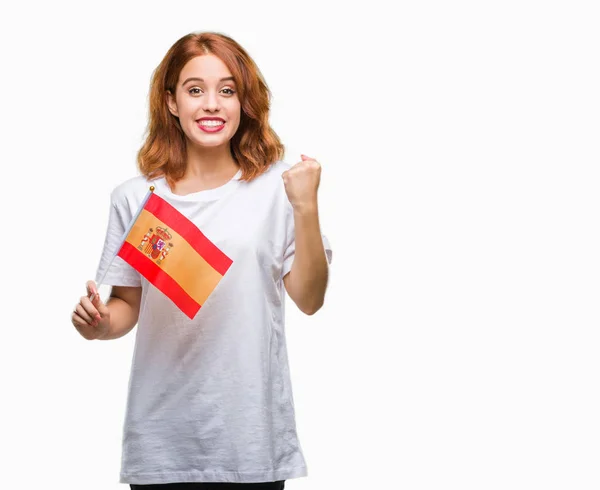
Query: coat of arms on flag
[173, 254]
[154, 244]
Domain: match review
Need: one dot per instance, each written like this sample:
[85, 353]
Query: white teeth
[212, 123]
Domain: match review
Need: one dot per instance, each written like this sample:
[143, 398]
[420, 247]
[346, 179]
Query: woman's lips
[210, 129]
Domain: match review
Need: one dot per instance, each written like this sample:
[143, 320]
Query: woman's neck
[209, 163]
[207, 168]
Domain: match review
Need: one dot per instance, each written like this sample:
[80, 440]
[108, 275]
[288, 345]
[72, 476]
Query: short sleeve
[290, 246]
[120, 273]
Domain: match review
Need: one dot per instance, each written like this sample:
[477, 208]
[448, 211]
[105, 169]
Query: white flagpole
[133, 220]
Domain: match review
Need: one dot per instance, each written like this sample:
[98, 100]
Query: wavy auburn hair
[255, 146]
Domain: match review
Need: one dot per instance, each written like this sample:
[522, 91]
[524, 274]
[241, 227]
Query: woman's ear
[172, 105]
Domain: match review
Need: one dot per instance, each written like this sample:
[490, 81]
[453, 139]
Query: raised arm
[307, 280]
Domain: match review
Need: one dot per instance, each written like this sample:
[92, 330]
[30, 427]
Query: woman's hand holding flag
[91, 316]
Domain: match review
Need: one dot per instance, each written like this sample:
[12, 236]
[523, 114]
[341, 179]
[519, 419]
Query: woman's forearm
[307, 280]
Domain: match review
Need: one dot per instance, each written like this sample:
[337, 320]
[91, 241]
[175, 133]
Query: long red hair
[255, 146]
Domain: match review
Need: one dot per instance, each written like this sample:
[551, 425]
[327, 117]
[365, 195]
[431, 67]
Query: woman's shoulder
[278, 168]
[131, 189]
[273, 174]
[269, 182]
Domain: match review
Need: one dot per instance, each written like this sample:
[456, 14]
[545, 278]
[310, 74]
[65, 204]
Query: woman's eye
[192, 91]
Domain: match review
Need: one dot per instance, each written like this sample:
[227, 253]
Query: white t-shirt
[210, 399]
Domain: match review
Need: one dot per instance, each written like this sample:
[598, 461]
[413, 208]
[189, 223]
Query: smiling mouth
[211, 126]
[211, 123]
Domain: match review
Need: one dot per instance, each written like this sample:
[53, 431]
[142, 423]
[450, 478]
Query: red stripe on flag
[189, 232]
[159, 278]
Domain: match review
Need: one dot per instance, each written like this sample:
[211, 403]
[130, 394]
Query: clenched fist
[302, 182]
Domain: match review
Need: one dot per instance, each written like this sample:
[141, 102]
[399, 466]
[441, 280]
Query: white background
[459, 344]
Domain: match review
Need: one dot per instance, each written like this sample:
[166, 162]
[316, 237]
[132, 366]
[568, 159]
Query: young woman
[210, 398]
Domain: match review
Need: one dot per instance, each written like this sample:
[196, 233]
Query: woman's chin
[209, 142]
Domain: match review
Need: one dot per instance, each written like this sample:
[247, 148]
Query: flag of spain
[173, 254]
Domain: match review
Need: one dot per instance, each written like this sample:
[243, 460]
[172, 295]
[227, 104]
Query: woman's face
[206, 102]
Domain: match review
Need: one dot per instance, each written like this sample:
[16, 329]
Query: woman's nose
[211, 101]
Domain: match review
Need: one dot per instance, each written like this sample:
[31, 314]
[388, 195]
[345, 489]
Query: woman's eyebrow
[202, 80]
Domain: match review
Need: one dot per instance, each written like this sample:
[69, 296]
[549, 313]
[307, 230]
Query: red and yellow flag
[173, 254]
